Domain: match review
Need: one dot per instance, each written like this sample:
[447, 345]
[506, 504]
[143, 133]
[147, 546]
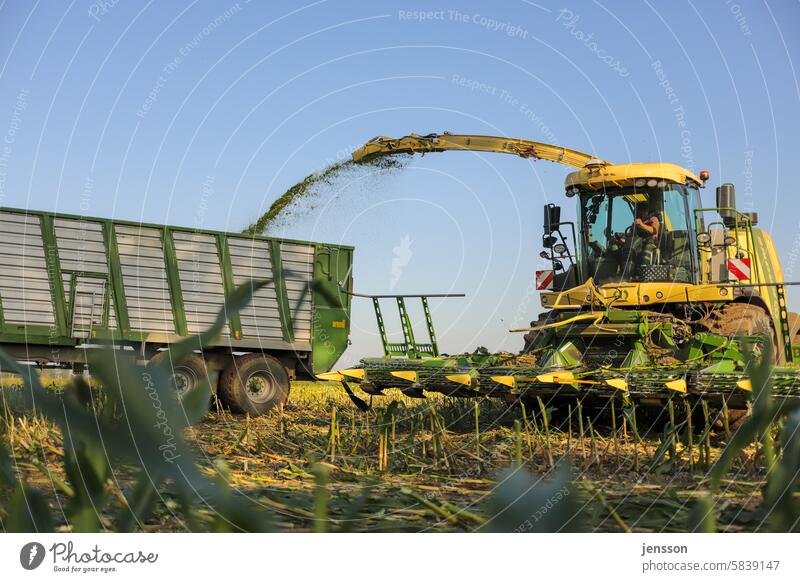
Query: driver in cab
[637, 246]
[648, 229]
[647, 223]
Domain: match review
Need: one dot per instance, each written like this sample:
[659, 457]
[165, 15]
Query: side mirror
[552, 217]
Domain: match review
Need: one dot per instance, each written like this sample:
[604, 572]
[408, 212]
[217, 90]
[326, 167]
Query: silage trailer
[69, 284]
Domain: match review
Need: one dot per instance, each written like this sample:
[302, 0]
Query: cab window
[677, 243]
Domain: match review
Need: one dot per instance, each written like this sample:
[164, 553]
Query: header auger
[649, 294]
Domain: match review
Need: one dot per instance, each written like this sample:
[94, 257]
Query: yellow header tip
[405, 375]
[509, 381]
[618, 383]
[353, 373]
[330, 376]
[678, 385]
[464, 379]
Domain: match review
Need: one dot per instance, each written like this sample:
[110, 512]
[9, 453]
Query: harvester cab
[648, 294]
[643, 240]
[631, 229]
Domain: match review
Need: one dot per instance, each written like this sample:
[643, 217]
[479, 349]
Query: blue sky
[203, 113]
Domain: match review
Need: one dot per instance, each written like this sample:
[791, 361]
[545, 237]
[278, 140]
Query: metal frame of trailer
[70, 282]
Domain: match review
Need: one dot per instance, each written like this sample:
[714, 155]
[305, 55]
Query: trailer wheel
[186, 375]
[254, 383]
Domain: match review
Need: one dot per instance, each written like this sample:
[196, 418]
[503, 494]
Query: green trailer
[70, 284]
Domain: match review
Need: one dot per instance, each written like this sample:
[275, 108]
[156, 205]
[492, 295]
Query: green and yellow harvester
[648, 294]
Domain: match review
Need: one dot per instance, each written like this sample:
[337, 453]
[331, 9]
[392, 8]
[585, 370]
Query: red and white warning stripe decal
[544, 280]
[739, 269]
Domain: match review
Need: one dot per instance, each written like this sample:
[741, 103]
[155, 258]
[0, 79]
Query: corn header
[647, 294]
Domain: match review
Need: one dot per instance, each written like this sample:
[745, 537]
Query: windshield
[637, 234]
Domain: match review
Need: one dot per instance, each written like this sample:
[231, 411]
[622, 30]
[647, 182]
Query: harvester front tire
[538, 338]
[186, 375]
[794, 327]
[744, 319]
[254, 383]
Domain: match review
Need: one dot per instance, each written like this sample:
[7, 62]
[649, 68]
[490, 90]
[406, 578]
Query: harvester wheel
[794, 326]
[254, 383]
[186, 375]
[538, 338]
[743, 319]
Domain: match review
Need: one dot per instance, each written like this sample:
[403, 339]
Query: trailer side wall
[71, 280]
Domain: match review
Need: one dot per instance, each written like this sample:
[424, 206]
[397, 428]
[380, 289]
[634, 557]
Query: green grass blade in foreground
[763, 414]
[702, 518]
[29, 512]
[782, 501]
[522, 502]
[26, 508]
[235, 302]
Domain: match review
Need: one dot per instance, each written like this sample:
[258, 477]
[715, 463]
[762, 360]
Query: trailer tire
[254, 383]
[186, 375]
